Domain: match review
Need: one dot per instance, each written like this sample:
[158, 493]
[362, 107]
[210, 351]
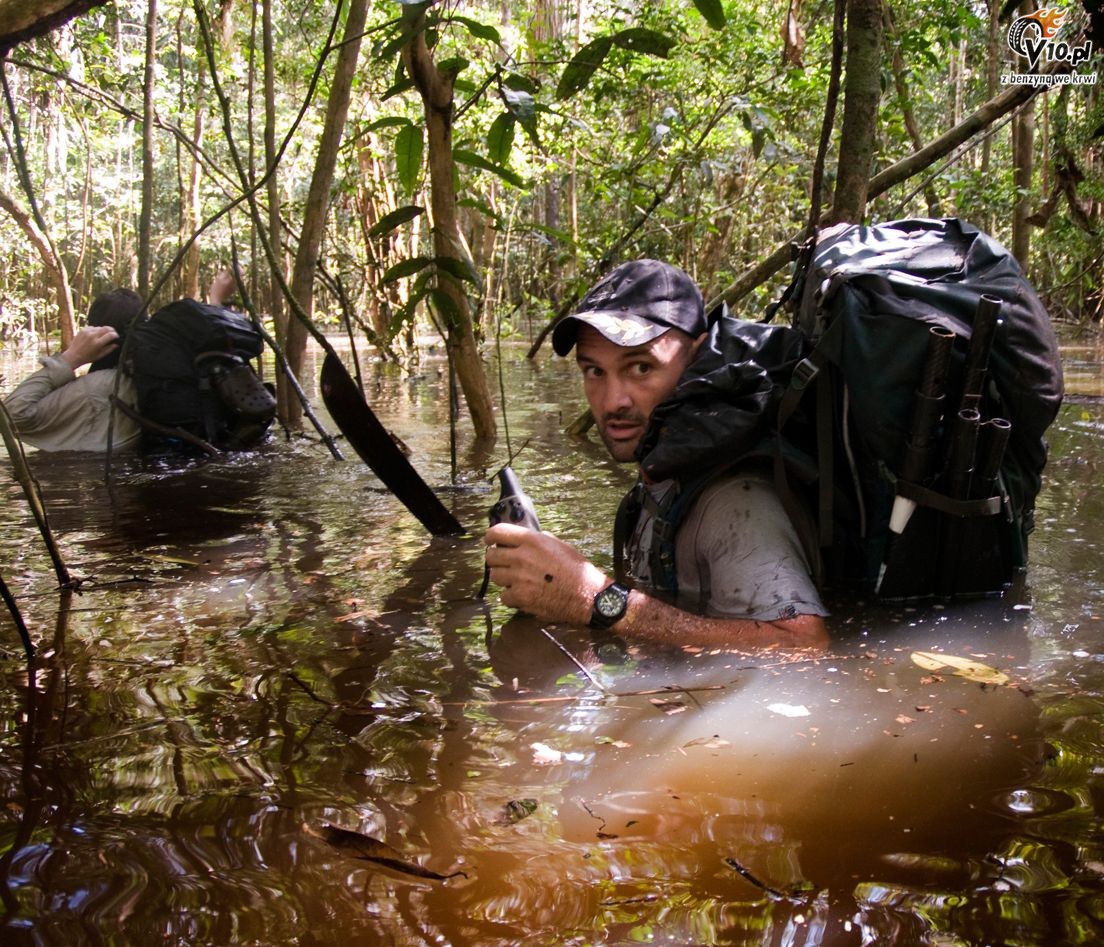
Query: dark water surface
[268, 645]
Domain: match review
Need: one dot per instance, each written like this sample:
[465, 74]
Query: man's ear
[696, 344]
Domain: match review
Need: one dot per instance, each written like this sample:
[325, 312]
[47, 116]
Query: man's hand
[91, 343]
[542, 575]
[222, 288]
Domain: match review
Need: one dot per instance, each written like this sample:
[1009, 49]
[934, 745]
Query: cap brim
[621, 328]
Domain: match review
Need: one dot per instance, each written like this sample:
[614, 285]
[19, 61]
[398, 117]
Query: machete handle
[513, 505]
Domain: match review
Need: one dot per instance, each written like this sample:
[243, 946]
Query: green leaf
[470, 158]
[405, 268]
[444, 306]
[712, 11]
[520, 104]
[485, 209]
[500, 138]
[453, 66]
[461, 269]
[520, 83]
[639, 39]
[583, 65]
[409, 148]
[391, 121]
[479, 30]
[398, 89]
[396, 218]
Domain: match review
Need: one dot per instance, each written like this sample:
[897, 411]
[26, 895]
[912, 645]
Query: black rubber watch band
[609, 606]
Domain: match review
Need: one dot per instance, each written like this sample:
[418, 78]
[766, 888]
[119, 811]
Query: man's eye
[640, 368]
[592, 371]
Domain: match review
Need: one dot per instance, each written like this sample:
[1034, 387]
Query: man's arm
[32, 409]
[551, 580]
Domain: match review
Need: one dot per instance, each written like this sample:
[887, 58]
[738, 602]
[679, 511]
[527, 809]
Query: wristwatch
[609, 606]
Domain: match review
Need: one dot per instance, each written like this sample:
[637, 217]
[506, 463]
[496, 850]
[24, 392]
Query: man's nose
[618, 396]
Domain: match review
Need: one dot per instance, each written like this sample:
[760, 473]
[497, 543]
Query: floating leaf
[357, 845]
[789, 710]
[516, 810]
[710, 743]
[669, 707]
[963, 667]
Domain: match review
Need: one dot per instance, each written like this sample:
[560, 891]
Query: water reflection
[267, 643]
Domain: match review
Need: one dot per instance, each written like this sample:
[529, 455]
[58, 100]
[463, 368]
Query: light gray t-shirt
[737, 553]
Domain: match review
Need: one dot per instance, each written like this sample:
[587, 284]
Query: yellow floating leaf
[964, 667]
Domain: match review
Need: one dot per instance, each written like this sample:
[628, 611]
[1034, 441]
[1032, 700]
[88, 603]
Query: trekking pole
[960, 466]
[994, 436]
[916, 466]
[960, 459]
[928, 407]
[986, 317]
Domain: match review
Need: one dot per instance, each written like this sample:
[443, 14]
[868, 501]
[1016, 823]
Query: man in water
[738, 557]
[55, 409]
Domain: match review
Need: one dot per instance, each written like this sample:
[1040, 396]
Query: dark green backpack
[191, 368]
[867, 407]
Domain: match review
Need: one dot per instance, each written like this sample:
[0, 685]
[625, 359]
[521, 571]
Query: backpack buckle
[803, 373]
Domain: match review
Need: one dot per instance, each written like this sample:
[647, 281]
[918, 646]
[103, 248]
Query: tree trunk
[274, 298]
[145, 219]
[1023, 155]
[904, 100]
[996, 108]
[318, 196]
[436, 89]
[189, 267]
[861, 95]
[20, 20]
[992, 66]
[55, 269]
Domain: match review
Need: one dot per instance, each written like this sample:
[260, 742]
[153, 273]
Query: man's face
[624, 385]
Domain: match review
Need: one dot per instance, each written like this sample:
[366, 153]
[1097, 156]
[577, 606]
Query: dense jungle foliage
[150, 142]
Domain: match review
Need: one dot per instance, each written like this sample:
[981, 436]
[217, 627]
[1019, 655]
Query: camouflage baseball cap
[635, 303]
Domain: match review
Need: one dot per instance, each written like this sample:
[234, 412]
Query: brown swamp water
[267, 645]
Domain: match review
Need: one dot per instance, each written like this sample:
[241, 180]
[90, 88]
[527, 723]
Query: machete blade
[371, 441]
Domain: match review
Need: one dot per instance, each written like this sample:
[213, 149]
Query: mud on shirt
[736, 552]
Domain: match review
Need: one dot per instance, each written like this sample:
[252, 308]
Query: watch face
[610, 603]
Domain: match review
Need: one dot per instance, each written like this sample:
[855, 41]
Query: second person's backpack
[190, 365]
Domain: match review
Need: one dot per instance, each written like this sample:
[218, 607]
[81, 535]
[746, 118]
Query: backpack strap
[628, 512]
[809, 370]
[667, 517]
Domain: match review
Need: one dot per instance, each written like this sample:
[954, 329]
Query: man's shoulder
[742, 487]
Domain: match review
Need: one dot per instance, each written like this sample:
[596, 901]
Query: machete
[371, 441]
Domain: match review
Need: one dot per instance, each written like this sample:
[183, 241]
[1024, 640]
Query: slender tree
[861, 97]
[436, 88]
[305, 265]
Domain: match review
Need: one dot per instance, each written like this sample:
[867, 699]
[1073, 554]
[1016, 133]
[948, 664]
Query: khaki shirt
[56, 410]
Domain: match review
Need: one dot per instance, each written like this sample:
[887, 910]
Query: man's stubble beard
[623, 452]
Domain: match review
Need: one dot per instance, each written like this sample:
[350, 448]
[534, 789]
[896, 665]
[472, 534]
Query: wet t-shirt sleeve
[739, 553]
